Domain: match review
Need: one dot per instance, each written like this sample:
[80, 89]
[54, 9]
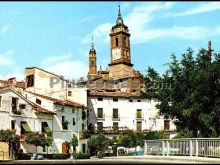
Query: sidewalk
[169, 158]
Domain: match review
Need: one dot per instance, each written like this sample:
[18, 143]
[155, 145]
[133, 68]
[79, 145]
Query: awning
[26, 127]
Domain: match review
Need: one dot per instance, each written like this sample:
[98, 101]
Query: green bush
[100, 154]
[81, 156]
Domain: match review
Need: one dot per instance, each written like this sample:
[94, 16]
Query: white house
[25, 112]
[126, 111]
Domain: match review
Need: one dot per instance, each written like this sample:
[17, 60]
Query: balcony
[100, 117]
[115, 117]
[110, 130]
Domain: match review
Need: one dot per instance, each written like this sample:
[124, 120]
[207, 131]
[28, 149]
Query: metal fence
[208, 147]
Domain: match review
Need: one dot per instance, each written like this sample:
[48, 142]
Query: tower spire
[92, 45]
[209, 46]
[119, 11]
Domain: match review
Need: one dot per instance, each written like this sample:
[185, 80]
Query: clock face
[116, 54]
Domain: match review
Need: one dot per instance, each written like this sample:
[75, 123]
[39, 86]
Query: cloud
[100, 34]
[5, 28]
[65, 66]
[17, 72]
[204, 7]
[55, 59]
[190, 33]
[70, 69]
[5, 58]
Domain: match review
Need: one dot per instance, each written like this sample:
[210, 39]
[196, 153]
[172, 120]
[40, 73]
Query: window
[116, 41]
[14, 106]
[73, 110]
[139, 114]
[83, 148]
[44, 149]
[139, 101]
[166, 125]
[139, 126]
[100, 99]
[13, 124]
[130, 100]
[30, 80]
[43, 125]
[0, 101]
[63, 119]
[83, 126]
[115, 99]
[22, 106]
[38, 101]
[69, 93]
[100, 113]
[74, 123]
[115, 113]
[69, 85]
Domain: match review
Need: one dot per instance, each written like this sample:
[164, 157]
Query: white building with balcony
[110, 110]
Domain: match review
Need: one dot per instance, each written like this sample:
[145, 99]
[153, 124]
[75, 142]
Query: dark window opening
[166, 125]
[84, 148]
[15, 105]
[38, 101]
[100, 113]
[22, 106]
[74, 123]
[30, 80]
[115, 113]
[116, 41]
[100, 99]
[13, 124]
[130, 100]
[69, 93]
[115, 99]
[83, 126]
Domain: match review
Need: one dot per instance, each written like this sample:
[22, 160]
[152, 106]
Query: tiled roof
[7, 83]
[39, 109]
[61, 102]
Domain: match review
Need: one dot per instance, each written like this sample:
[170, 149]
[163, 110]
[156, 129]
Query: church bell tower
[92, 62]
[120, 65]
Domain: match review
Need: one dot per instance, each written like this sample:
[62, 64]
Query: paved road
[124, 160]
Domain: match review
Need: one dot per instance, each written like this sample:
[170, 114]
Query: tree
[36, 139]
[46, 141]
[74, 142]
[127, 139]
[99, 143]
[10, 137]
[156, 135]
[193, 97]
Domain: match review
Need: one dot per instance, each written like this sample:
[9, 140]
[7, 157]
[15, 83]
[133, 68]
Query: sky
[56, 36]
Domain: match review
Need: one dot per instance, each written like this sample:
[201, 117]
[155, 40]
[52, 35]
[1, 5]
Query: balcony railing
[100, 117]
[110, 129]
[115, 117]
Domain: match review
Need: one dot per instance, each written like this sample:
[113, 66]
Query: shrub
[81, 156]
[26, 156]
[100, 154]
